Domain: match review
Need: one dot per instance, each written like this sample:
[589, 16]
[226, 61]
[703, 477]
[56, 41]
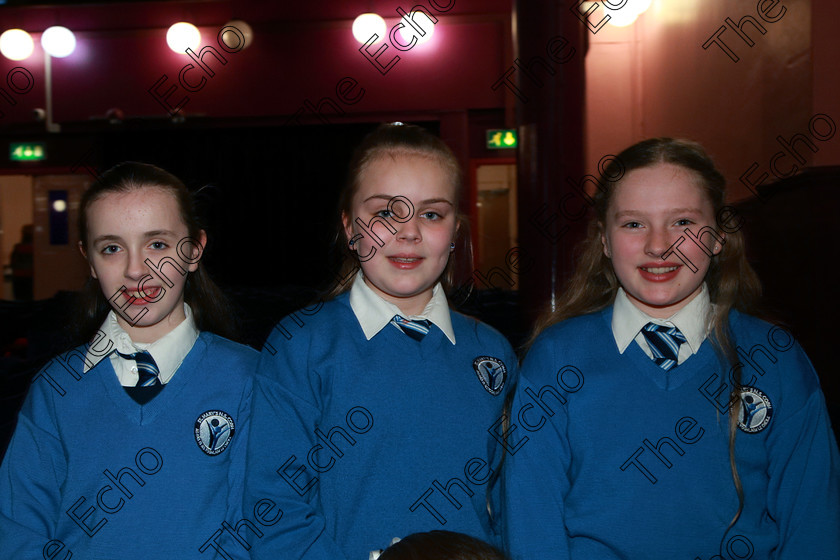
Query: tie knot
[147, 369]
[664, 343]
[415, 328]
[672, 332]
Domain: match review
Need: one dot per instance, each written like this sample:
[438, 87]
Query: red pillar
[547, 82]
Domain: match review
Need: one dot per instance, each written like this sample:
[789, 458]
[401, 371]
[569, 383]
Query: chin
[406, 290]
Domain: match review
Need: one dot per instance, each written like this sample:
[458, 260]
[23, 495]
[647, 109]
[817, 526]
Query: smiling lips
[405, 262]
[659, 272]
[138, 297]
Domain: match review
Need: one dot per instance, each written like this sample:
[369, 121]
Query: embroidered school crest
[755, 412]
[491, 372]
[213, 431]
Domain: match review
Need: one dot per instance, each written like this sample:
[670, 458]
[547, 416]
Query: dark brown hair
[441, 545]
[395, 140]
[731, 281]
[211, 309]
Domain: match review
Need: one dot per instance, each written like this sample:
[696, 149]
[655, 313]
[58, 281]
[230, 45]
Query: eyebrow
[422, 202]
[147, 235]
[436, 201]
[107, 238]
[670, 211]
[160, 233]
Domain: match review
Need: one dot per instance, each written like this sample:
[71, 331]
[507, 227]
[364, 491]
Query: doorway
[495, 230]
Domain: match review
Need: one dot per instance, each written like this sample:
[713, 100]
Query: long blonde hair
[731, 281]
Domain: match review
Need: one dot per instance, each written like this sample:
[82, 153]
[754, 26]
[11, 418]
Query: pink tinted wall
[656, 79]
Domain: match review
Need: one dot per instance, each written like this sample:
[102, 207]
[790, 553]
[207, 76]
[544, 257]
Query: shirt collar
[691, 320]
[168, 351]
[374, 313]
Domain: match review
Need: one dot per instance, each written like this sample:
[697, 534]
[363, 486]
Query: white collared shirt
[374, 313]
[168, 351]
[691, 320]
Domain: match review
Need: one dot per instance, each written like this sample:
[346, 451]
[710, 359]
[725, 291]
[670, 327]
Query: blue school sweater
[90, 472]
[611, 457]
[359, 441]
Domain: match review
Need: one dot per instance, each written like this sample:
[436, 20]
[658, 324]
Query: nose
[135, 267]
[657, 242]
[409, 231]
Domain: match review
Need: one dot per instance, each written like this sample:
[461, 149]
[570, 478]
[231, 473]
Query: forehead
[143, 208]
[411, 174]
[659, 187]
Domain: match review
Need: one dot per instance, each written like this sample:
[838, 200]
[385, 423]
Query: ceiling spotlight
[366, 25]
[239, 37]
[182, 36]
[16, 44]
[423, 29]
[58, 41]
[628, 13]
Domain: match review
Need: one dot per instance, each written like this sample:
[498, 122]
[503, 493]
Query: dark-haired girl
[139, 451]
[662, 419]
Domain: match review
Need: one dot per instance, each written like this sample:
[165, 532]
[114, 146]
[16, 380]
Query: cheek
[442, 238]
[623, 247]
[100, 269]
[695, 255]
[366, 248]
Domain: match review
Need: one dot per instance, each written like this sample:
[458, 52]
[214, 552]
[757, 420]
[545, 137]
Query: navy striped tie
[416, 329]
[147, 369]
[664, 343]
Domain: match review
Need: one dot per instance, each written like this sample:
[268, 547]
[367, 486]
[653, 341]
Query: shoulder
[309, 337]
[570, 333]
[221, 345]
[754, 335]
[54, 380]
[315, 322]
[226, 353]
[464, 325]
[573, 343]
[771, 359]
[749, 330]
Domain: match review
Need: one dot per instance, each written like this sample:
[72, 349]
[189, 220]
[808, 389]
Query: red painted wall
[298, 53]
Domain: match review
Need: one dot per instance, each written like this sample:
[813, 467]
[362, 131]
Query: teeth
[661, 269]
[149, 292]
[404, 260]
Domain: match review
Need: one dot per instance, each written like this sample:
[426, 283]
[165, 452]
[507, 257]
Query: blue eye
[384, 213]
[110, 249]
[159, 245]
[684, 222]
[632, 225]
[432, 216]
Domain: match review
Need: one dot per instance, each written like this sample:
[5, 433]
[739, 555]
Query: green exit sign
[27, 151]
[501, 138]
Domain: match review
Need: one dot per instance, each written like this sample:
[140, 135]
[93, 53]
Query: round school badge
[213, 431]
[756, 410]
[491, 372]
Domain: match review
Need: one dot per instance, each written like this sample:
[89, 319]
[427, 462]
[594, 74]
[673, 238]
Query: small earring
[351, 243]
[452, 246]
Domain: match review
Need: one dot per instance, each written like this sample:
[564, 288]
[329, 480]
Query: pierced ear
[716, 250]
[348, 227]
